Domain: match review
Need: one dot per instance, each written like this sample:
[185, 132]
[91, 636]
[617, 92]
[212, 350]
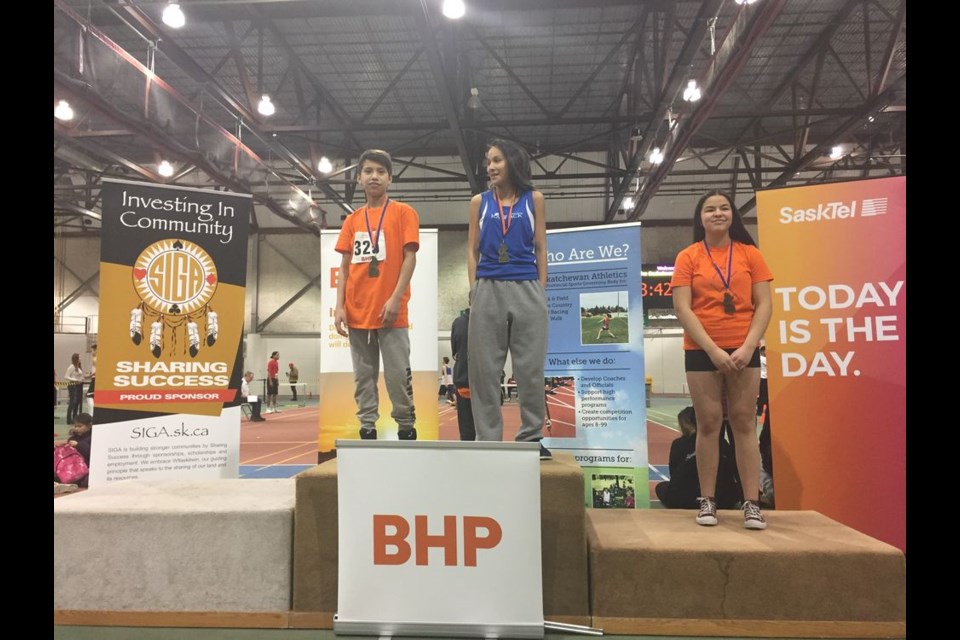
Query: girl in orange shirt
[721, 294]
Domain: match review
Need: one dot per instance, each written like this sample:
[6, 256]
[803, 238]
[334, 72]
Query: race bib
[363, 247]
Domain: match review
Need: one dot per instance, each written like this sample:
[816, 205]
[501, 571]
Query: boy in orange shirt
[378, 246]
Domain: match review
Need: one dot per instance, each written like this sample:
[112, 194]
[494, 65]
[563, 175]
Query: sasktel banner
[425, 549]
[173, 265]
[836, 350]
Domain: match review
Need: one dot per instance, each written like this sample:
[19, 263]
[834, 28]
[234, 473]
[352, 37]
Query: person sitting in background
[80, 436]
[683, 488]
[246, 395]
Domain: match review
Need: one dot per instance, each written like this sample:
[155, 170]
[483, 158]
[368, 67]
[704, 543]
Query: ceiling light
[627, 203]
[63, 111]
[692, 92]
[656, 156]
[454, 9]
[266, 107]
[173, 16]
[836, 152]
[473, 102]
[165, 169]
[744, 1]
[325, 166]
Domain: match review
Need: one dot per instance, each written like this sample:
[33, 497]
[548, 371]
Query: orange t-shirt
[695, 269]
[365, 296]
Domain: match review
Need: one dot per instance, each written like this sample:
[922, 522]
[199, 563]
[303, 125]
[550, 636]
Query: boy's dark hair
[379, 156]
[84, 418]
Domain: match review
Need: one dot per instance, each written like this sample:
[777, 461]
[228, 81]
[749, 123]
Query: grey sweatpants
[507, 314]
[366, 346]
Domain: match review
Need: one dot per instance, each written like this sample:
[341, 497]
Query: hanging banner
[595, 394]
[173, 264]
[337, 409]
[836, 350]
[458, 562]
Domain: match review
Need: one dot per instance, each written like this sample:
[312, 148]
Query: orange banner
[836, 350]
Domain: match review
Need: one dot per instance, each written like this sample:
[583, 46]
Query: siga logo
[838, 210]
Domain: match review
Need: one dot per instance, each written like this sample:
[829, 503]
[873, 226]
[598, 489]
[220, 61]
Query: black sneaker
[407, 434]
[368, 434]
[707, 516]
[545, 453]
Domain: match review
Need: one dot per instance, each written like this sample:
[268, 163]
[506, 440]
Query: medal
[373, 267]
[505, 221]
[728, 306]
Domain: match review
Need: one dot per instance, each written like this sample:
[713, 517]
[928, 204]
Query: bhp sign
[391, 534]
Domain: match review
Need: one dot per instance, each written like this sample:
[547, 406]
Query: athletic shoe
[368, 434]
[707, 516]
[545, 453]
[407, 434]
[752, 518]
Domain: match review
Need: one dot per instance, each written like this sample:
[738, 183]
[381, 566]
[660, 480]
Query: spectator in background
[245, 393]
[461, 378]
[273, 382]
[446, 371]
[81, 434]
[681, 491]
[293, 376]
[74, 377]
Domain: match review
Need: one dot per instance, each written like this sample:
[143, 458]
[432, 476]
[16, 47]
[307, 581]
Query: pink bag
[68, 465]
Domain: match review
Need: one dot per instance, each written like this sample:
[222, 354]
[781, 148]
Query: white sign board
[439, 539]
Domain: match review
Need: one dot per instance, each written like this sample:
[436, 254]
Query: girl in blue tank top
[507, 269]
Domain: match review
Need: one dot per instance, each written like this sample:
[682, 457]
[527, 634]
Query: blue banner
[596, 407]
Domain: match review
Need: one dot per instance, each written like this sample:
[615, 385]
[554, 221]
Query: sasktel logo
[868, 207]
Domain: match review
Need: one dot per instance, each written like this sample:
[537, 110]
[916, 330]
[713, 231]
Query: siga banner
[173, 263]
[836, 350]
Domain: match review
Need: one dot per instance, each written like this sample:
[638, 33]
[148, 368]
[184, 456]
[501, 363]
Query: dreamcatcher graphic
[176, 280]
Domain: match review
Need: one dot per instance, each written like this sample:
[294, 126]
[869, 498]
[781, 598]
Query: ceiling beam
[698, 30]
[725, 68]
[429, 42]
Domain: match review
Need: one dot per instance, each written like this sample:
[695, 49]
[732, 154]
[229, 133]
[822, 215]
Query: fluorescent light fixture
[454, 9]
[266, 107]
[63, 111]
[744, 1]
[173, 16]
[473, 102]
[325, 166]
[656, 156]
[165, 169]
[692, 92]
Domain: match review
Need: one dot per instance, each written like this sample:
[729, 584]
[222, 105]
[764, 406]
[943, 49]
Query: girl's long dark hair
[738, 232]
[518, 164]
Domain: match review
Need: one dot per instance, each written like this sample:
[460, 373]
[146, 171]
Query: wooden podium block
[658, 572]
[563, 534]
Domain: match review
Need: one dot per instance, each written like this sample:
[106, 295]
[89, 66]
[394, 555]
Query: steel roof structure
[589, 87]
